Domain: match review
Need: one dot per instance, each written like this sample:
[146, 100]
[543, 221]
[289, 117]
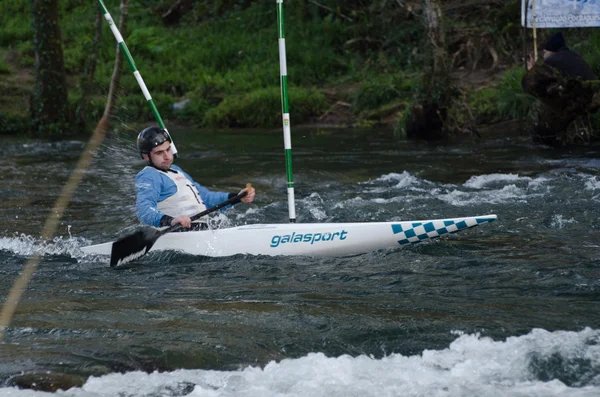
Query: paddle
[139, 243]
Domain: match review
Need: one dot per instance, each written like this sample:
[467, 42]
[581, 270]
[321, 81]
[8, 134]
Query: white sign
[561, 13]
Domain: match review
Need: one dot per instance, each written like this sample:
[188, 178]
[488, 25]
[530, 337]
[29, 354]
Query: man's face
[161, 156]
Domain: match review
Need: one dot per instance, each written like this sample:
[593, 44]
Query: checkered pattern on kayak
[419, 231]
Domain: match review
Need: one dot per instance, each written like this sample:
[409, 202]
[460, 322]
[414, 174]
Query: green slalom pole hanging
[136, 73]
[287, 136]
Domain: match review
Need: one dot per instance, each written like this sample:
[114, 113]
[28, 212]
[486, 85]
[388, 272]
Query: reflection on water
[498, 310]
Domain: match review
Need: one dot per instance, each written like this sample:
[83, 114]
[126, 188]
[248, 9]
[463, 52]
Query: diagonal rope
[52, 222]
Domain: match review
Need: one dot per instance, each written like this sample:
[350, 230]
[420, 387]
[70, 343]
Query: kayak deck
[306, 239]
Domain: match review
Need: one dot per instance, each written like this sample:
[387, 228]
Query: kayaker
[165, 194]
[569, 63]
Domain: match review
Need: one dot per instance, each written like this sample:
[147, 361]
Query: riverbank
[336, 110]
[222, 62]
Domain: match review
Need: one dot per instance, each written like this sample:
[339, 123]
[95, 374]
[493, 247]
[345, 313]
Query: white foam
[25, 245]
[397, 199]
[349, 203]
[472, 366]
[489, 189]
[314, 203]
[220, 219]
[507, 193]
[592, 183]
[538, 183]
[405, 179]
[479, 181]
[559, 221]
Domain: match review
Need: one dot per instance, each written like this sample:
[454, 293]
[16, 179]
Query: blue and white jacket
[153, 186]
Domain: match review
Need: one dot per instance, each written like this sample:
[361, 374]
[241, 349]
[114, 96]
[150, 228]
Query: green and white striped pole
[136, 73]
[287, 137]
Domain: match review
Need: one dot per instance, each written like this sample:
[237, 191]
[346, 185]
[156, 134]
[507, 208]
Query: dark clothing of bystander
[570, 64]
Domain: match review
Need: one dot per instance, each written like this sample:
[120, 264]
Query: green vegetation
[255, 109]
[504, 101]
[222, 58]
[4, 68]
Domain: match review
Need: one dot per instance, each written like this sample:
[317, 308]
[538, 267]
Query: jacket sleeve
[209, 198]
[147, 192]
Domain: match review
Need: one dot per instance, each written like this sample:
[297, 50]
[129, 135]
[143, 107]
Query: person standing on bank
[165, 194]
[569, 63]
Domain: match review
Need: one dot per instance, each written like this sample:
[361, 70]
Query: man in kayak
[165, 194]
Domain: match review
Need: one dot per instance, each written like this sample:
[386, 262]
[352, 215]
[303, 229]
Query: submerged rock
[49, 382]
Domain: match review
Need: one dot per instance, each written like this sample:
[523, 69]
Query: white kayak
[307, 239]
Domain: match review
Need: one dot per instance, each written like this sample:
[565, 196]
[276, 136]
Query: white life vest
[186, 201]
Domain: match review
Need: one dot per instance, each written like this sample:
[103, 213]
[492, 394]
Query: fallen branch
[177, 10]
[331, 10]
[336, 105]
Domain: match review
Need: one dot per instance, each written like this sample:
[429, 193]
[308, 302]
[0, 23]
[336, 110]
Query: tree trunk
[427, 118]
[116, 76]
[437, 73]
[87, 83]
[49, 106]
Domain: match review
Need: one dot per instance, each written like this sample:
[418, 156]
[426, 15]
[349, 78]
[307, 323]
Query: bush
[379, 91]
[11, 124]
[14, 27]
[4, 68]
[262, 108]
[506, 101]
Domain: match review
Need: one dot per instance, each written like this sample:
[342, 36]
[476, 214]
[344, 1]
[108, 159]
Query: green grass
[228, 68]
[262, 108]
[377, 91]
[506, 101]
[4, 68]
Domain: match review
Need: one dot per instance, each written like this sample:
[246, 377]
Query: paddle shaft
[136, 73]
[139, 243]
[206, 212]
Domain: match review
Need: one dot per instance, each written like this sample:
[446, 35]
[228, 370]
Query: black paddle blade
[133, 247]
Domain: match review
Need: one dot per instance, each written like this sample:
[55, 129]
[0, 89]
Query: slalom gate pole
[287, 138]
[136, 73]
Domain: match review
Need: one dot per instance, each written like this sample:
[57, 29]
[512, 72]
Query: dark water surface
[507, 309]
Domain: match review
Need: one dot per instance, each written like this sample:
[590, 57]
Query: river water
[510, 308]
